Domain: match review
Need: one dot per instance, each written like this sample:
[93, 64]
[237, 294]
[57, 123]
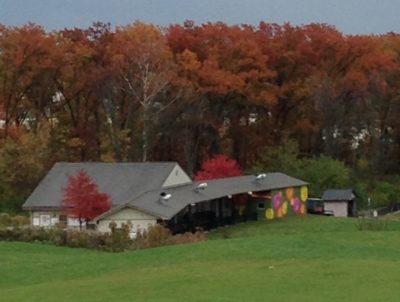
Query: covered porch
[211, 214]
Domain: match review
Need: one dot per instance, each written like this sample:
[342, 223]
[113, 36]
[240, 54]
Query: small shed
[340, 202]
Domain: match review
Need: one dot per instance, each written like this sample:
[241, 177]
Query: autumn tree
[145, 70]
[187, 92]
[28, 67]
[339, 90]
[220, 166]
[25, 157]
[84, 74]
[82, 199]
[380, 107]
[228, 77]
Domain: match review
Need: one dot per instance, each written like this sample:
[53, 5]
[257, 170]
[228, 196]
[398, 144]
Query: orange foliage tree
[186, 92]
[145, 70]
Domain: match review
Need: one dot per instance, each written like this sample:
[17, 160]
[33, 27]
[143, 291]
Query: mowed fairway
[298, 259]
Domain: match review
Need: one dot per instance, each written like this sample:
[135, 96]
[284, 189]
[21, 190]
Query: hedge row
[116, 241]
[17, 220]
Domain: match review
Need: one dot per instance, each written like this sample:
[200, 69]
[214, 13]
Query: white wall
[51, 218]
[74, 223]
[176, 177]
[339, 209]
[140, 221]
[45, 218]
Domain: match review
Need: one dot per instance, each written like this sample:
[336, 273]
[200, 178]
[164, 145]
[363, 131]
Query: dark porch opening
[212, 214]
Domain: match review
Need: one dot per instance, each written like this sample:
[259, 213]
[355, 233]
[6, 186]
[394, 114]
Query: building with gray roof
[340, 202]
[143, 194]
[121, 181]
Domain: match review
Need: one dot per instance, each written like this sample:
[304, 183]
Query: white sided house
[121, 181]
[144, 194]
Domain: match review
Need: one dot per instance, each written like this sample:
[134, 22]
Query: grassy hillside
[300, 259]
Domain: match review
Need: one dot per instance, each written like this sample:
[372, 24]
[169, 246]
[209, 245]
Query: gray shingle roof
[183, 195]
[338, 195]
[122, 181]
[139, 185]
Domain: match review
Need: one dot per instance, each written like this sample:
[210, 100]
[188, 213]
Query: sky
[348, 16]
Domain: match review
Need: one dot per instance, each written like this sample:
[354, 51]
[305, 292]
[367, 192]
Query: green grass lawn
[297, 259]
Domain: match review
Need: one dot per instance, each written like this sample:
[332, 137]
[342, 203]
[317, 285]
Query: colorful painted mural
[286, 202]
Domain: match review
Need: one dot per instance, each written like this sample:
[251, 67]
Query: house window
[63, 220]
[45, 220]
[260, 206]
[36, 221]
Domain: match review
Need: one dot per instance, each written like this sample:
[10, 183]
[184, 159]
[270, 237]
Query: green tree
[384, 192]
[283, 158]
[24, 160]
[321, 172]
[324, 172]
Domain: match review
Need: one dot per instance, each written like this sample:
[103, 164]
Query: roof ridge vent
[201, 186]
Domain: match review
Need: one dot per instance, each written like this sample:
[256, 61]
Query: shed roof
[338, 195]
[181, 196]
[122, 181]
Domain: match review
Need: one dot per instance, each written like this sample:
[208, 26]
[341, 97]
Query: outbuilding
[340, 202]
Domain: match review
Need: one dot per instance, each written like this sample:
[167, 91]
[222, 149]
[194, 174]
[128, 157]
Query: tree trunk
[145, 134]
[144, 141]
[113, 132]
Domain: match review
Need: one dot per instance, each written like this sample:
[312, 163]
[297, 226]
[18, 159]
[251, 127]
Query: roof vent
[261, 176]
[164, 197]
[201, 186]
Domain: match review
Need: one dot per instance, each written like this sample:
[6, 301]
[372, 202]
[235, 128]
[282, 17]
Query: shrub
[158, 235]
[18, 220]
[119, 239]
[79, 239]
[188, 237]
[116, 241]
[5, 219]
[371, 224]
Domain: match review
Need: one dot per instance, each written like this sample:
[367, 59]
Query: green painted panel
[286, 202]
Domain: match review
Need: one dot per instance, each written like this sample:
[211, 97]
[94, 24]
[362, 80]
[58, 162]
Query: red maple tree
[82, 200]
[220, 166]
